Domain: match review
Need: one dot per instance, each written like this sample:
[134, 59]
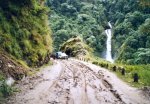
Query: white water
[108, 44]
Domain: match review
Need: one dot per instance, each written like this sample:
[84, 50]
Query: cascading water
[108, 44]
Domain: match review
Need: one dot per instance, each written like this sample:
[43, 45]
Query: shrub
[5, 89]
[24, 31]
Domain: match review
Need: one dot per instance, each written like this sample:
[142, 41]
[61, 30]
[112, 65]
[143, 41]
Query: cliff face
[24, 30]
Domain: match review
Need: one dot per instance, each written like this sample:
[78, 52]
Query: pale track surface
[76, 82]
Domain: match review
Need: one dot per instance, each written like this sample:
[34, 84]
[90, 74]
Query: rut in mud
[78, 84]
[75, 82]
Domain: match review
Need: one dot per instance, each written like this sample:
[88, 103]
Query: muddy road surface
[75, 82]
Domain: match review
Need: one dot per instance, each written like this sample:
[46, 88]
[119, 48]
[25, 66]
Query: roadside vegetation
[24, 31]
[143, 72]
[25, 39]
[75, 47]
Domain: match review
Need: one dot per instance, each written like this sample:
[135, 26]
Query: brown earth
[76, 82]
[11, 68]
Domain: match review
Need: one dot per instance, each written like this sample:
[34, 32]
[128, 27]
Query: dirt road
[75, 82]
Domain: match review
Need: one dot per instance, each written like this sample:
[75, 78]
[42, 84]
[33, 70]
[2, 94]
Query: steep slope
[24, 31]
[10, 68]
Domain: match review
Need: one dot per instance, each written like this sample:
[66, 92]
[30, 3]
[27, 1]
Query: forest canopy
[88, 19]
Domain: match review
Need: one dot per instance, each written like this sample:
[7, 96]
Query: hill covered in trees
[88, 19]
[71, 18]
[131, 20]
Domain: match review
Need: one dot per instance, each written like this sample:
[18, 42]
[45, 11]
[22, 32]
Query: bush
[143, 72]
[24, 31]
[5, 89]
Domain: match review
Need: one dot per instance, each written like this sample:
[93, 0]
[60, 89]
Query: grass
[5, 90]
[24, 31]
[143, 71]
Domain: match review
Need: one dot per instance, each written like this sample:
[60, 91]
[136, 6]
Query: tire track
[79, 82]
[73, 82]
[100, 77]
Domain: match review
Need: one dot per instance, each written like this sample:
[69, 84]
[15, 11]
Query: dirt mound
[10, 67]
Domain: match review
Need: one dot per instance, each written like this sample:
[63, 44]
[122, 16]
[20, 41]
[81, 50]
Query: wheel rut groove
[73, 82]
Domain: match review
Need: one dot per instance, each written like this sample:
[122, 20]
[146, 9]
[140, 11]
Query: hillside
[130, 20]
[10, 68]
[24, 30]
[75, 18]
[25, 40]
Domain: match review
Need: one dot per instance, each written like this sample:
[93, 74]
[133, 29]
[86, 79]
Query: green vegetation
[1, 82]
[142, 70]
[76, 47]
[71, 18]
[131, 21]
[25, 38]
[88, 19]
[24, 32]
[5, 90]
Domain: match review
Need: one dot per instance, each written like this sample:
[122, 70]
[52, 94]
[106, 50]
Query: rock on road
[75, 82]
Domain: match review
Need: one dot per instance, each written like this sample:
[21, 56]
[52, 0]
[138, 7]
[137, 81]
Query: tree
[142, 56]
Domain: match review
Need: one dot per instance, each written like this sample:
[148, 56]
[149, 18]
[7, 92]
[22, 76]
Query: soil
[76, 82]
[11, 68]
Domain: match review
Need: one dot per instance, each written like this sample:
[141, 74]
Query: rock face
[11, 68]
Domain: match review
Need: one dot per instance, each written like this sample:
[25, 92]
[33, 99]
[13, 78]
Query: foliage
[71, 18]
[131, 33]
[24, 32]
[144, 3]
[5, 90]
[88, 19]
[76, 47]
[142, 70]
[2, 78]
[136, 47]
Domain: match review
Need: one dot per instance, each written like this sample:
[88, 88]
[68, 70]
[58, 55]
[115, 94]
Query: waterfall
[108, 43]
